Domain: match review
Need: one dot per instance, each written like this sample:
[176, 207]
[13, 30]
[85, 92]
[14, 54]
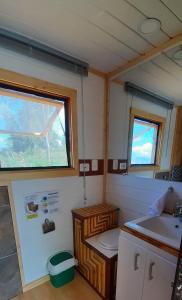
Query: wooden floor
[78, 289]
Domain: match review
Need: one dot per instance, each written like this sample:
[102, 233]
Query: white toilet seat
[109, 239]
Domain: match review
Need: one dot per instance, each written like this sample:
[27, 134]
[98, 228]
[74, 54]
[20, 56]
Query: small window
[146, 139]
[144, 142]
[34, 130]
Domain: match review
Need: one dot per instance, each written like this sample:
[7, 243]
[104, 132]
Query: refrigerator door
[177, 290]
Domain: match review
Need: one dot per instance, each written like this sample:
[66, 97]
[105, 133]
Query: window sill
[143, 168]
[37, 174]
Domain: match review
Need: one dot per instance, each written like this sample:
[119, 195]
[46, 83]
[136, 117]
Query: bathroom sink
[165, 228]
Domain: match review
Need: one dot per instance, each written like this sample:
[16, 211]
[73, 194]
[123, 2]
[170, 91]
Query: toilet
[108, 240]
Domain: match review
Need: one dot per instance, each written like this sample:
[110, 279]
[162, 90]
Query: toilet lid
[109, 239]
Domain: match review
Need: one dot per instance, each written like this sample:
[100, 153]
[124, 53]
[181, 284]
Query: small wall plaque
[48, 226]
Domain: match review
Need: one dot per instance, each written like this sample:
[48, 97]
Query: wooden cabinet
[158, 278]
[131, 267]
[142, 274]
[97, 269]
[176, 155]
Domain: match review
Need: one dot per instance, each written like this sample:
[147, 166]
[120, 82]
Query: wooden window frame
[34, 84]
[137, 113]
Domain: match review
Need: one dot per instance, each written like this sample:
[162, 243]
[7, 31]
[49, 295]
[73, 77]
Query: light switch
[115, 164]
[122, 166]
[94, 165]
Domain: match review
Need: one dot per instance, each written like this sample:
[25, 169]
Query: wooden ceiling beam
[104, 75]
[142, 58]
[97, 72]
[118, 81]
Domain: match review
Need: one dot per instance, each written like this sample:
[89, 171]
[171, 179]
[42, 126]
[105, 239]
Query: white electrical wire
[83, 144]
[129, 132]
[169, 129]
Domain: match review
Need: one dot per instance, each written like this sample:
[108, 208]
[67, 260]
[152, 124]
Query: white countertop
[165, 228]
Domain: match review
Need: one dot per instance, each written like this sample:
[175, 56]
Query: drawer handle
[136, 261]
[151, 270]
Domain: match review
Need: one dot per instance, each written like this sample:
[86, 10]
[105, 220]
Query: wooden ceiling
[105, 33]
[162, 75]
[102, 32]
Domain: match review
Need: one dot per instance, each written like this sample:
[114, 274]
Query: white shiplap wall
[133, 195]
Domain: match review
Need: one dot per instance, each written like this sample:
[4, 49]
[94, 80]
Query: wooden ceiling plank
[89, 44]
[151, 53]
[175, 6]
[159, 72]
[121, 9]
[156, 9]
[170, 54]
[142, 76]
[87, 14]
[169, 65]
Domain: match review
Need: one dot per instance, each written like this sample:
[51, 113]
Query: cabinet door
[159, 274]
[130, 273]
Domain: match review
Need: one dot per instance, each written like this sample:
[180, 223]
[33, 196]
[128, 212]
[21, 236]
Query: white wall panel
[37, 247]
[118, 122]
[32, 241]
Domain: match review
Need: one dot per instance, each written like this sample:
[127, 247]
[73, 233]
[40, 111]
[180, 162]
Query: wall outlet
[84, 167]
[122, 166]
[115, 164]
[94, 165]
[81, 167]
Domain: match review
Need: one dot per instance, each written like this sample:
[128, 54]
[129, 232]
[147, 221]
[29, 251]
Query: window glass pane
[32, 131]
[144, 142]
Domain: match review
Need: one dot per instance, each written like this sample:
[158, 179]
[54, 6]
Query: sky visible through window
[32, 133]
[144, 142]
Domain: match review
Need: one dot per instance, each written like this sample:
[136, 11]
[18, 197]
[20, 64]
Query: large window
[146, 139]
[34, 130]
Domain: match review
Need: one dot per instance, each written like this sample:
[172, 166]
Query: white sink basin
[165, 228]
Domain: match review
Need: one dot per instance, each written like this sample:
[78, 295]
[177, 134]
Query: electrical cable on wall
[169, 130]
[83, 144]
[129, 130]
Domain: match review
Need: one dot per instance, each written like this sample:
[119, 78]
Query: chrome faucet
[178, 211]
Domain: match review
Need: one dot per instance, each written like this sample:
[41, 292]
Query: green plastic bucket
[65, 276]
